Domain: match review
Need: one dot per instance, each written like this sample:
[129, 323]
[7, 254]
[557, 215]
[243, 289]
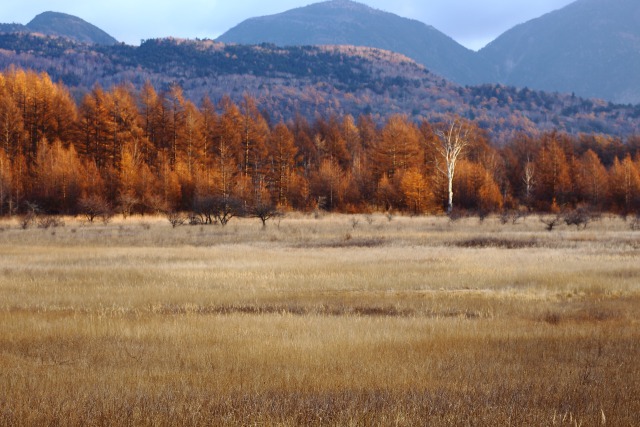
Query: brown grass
[415, 321]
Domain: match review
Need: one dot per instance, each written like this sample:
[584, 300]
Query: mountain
[344, 22]
[62, 25]
[590, 47]
[312, 81]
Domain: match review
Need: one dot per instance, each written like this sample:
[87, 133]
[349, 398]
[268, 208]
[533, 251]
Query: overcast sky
[473, 23]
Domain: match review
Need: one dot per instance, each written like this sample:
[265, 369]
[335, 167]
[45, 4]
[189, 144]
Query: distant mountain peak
[69, 26]
[346, 22]
[349, 5]
[589, 47]
[47, 15]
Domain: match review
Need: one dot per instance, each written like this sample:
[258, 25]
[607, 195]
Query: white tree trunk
[452, 142]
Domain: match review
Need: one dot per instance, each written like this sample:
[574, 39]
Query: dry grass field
[337, 320]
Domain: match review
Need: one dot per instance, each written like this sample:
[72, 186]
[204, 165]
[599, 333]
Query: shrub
[176, 218]
[50, 222]
[551, 222]
[28, 219]
[579, 217]
[95, 206]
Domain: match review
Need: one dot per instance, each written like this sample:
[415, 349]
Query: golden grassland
[336, 320]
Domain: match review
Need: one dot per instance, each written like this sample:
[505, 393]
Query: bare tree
[127, 202]
[265, 211]
[225, 208]
[175, 218]
[93, 207]
[580, 217]
[551, 222]
[204, 208]
[30, 216]
[453, 139]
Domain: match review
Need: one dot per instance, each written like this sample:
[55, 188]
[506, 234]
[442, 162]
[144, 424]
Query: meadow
[320, 320]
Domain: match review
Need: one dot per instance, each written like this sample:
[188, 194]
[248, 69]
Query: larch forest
[146, 151]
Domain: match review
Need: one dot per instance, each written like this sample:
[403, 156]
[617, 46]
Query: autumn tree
[398, 148]
[389, 194]
[254, 134]
[226, 142]
[282, 155]
[476, 188]
[175, 120]
[304, 141]
[58, 180]
[606, 148]
[553, 182]
[591, 177]
[6, 180]
[353, 140]
[624, 185]
[11, 121]
[96, 126]
[136, 181]
[209, 120]
[46, 110]
[169, 195]
[148, 112]
[416, 192]
[21, 183]
[362, 169]
[327, 185]
[125, 127]
[520, 173]
[64, 116]
[330, 142]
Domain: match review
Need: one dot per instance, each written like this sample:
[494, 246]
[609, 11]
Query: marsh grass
[415, 321]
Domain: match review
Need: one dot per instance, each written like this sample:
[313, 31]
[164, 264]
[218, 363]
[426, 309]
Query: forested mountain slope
[312, 81]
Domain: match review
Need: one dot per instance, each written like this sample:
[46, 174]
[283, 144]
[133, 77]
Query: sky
[472, 23]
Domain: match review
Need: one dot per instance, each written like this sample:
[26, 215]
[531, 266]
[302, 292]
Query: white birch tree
[451, 144]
